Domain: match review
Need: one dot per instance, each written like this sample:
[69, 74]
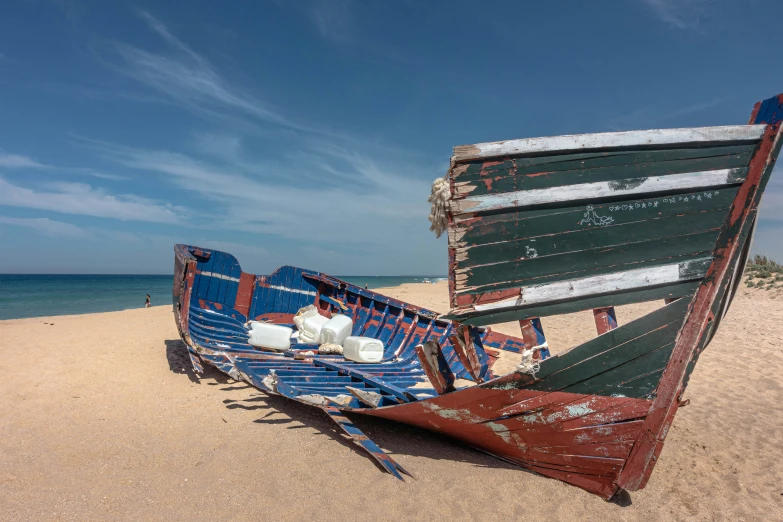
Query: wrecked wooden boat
[536, 227]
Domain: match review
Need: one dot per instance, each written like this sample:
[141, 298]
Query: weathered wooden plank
[435, 366]
[599, 190]
[635, 409]
[590, 465]
[533, 178]
[637, 378]
[576, 142]
[536, 402]
[617, 299]
[362, 440]
[245, 293]
[492, 228]
[605, 319]
[588, 237]
[618, 356]
[699, 319]
[650, 329]
[591, 406]
[616, 450]
[464, 346]
[617, 432]
[602, 486]
[479, 170]
[587, 263]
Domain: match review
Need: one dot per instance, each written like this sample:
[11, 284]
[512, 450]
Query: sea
[46, 295]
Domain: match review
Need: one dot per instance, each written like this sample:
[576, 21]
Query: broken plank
[517, 179]
[576, 142]
[599, 190]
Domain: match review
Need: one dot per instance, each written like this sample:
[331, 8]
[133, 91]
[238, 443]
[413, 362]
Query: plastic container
[336, 329]
[304, 313]
[362, 349]
[273, 336]
[311, 329]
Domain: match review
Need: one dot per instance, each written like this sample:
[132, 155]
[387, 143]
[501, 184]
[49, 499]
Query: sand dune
[101, 418]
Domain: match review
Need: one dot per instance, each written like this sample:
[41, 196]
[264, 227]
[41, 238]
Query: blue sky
[309, 132]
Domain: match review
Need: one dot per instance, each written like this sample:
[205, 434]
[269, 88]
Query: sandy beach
[101, 418]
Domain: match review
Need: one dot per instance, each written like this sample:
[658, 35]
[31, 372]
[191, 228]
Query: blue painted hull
[214, 299]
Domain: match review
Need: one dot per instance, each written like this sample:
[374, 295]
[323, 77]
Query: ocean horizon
[43, 295]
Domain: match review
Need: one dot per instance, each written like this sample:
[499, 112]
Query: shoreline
[22, 300]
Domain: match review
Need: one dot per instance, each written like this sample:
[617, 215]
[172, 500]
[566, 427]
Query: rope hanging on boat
[439, 205]
[528, 364]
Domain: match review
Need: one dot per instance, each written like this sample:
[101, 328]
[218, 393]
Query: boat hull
[595, 416]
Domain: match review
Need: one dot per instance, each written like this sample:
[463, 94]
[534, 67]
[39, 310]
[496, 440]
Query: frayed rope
[439, 205]
[528, 364]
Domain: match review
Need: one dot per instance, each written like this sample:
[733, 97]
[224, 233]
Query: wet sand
[101, 418]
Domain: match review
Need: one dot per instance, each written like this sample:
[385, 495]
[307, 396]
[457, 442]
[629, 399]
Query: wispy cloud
[83, 199]
[16, 161]
[249, 197]
[46, 226]
[182, 77]
[681, 14]
[4, 58]
[334, 19]
[187, 79]
[314, 186]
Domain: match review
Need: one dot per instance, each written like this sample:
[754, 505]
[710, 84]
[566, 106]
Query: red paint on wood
[615, 450]
[462, 342]
[539, 400]
[603, 320]
[590, 457]
[486, 297]
[529, 335]
[276, 318]
[184, 313]
[430, 357]
[244, 293]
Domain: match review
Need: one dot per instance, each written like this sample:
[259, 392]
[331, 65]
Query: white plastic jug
[336, 329]
[272, 336]
[311, 329]
[362, 349]
[304, 313]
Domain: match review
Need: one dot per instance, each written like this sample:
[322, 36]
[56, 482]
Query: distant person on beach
[365, 286]
[147, 302]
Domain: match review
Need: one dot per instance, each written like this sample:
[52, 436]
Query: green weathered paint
[615, 338]
[588, 237]
[533, 223]
[482, 169]
[587, 262]
[626, 361]
[532, 178]
[685, 290]
[642, 382]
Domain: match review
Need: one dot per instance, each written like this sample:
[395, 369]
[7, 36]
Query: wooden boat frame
[595, 416]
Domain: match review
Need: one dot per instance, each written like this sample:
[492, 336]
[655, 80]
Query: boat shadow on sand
[395, 438]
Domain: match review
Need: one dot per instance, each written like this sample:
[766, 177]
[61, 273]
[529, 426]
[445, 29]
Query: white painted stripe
[577, 142]
[220, 276]
[595, 285]
[600, 189]
[295, 290]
